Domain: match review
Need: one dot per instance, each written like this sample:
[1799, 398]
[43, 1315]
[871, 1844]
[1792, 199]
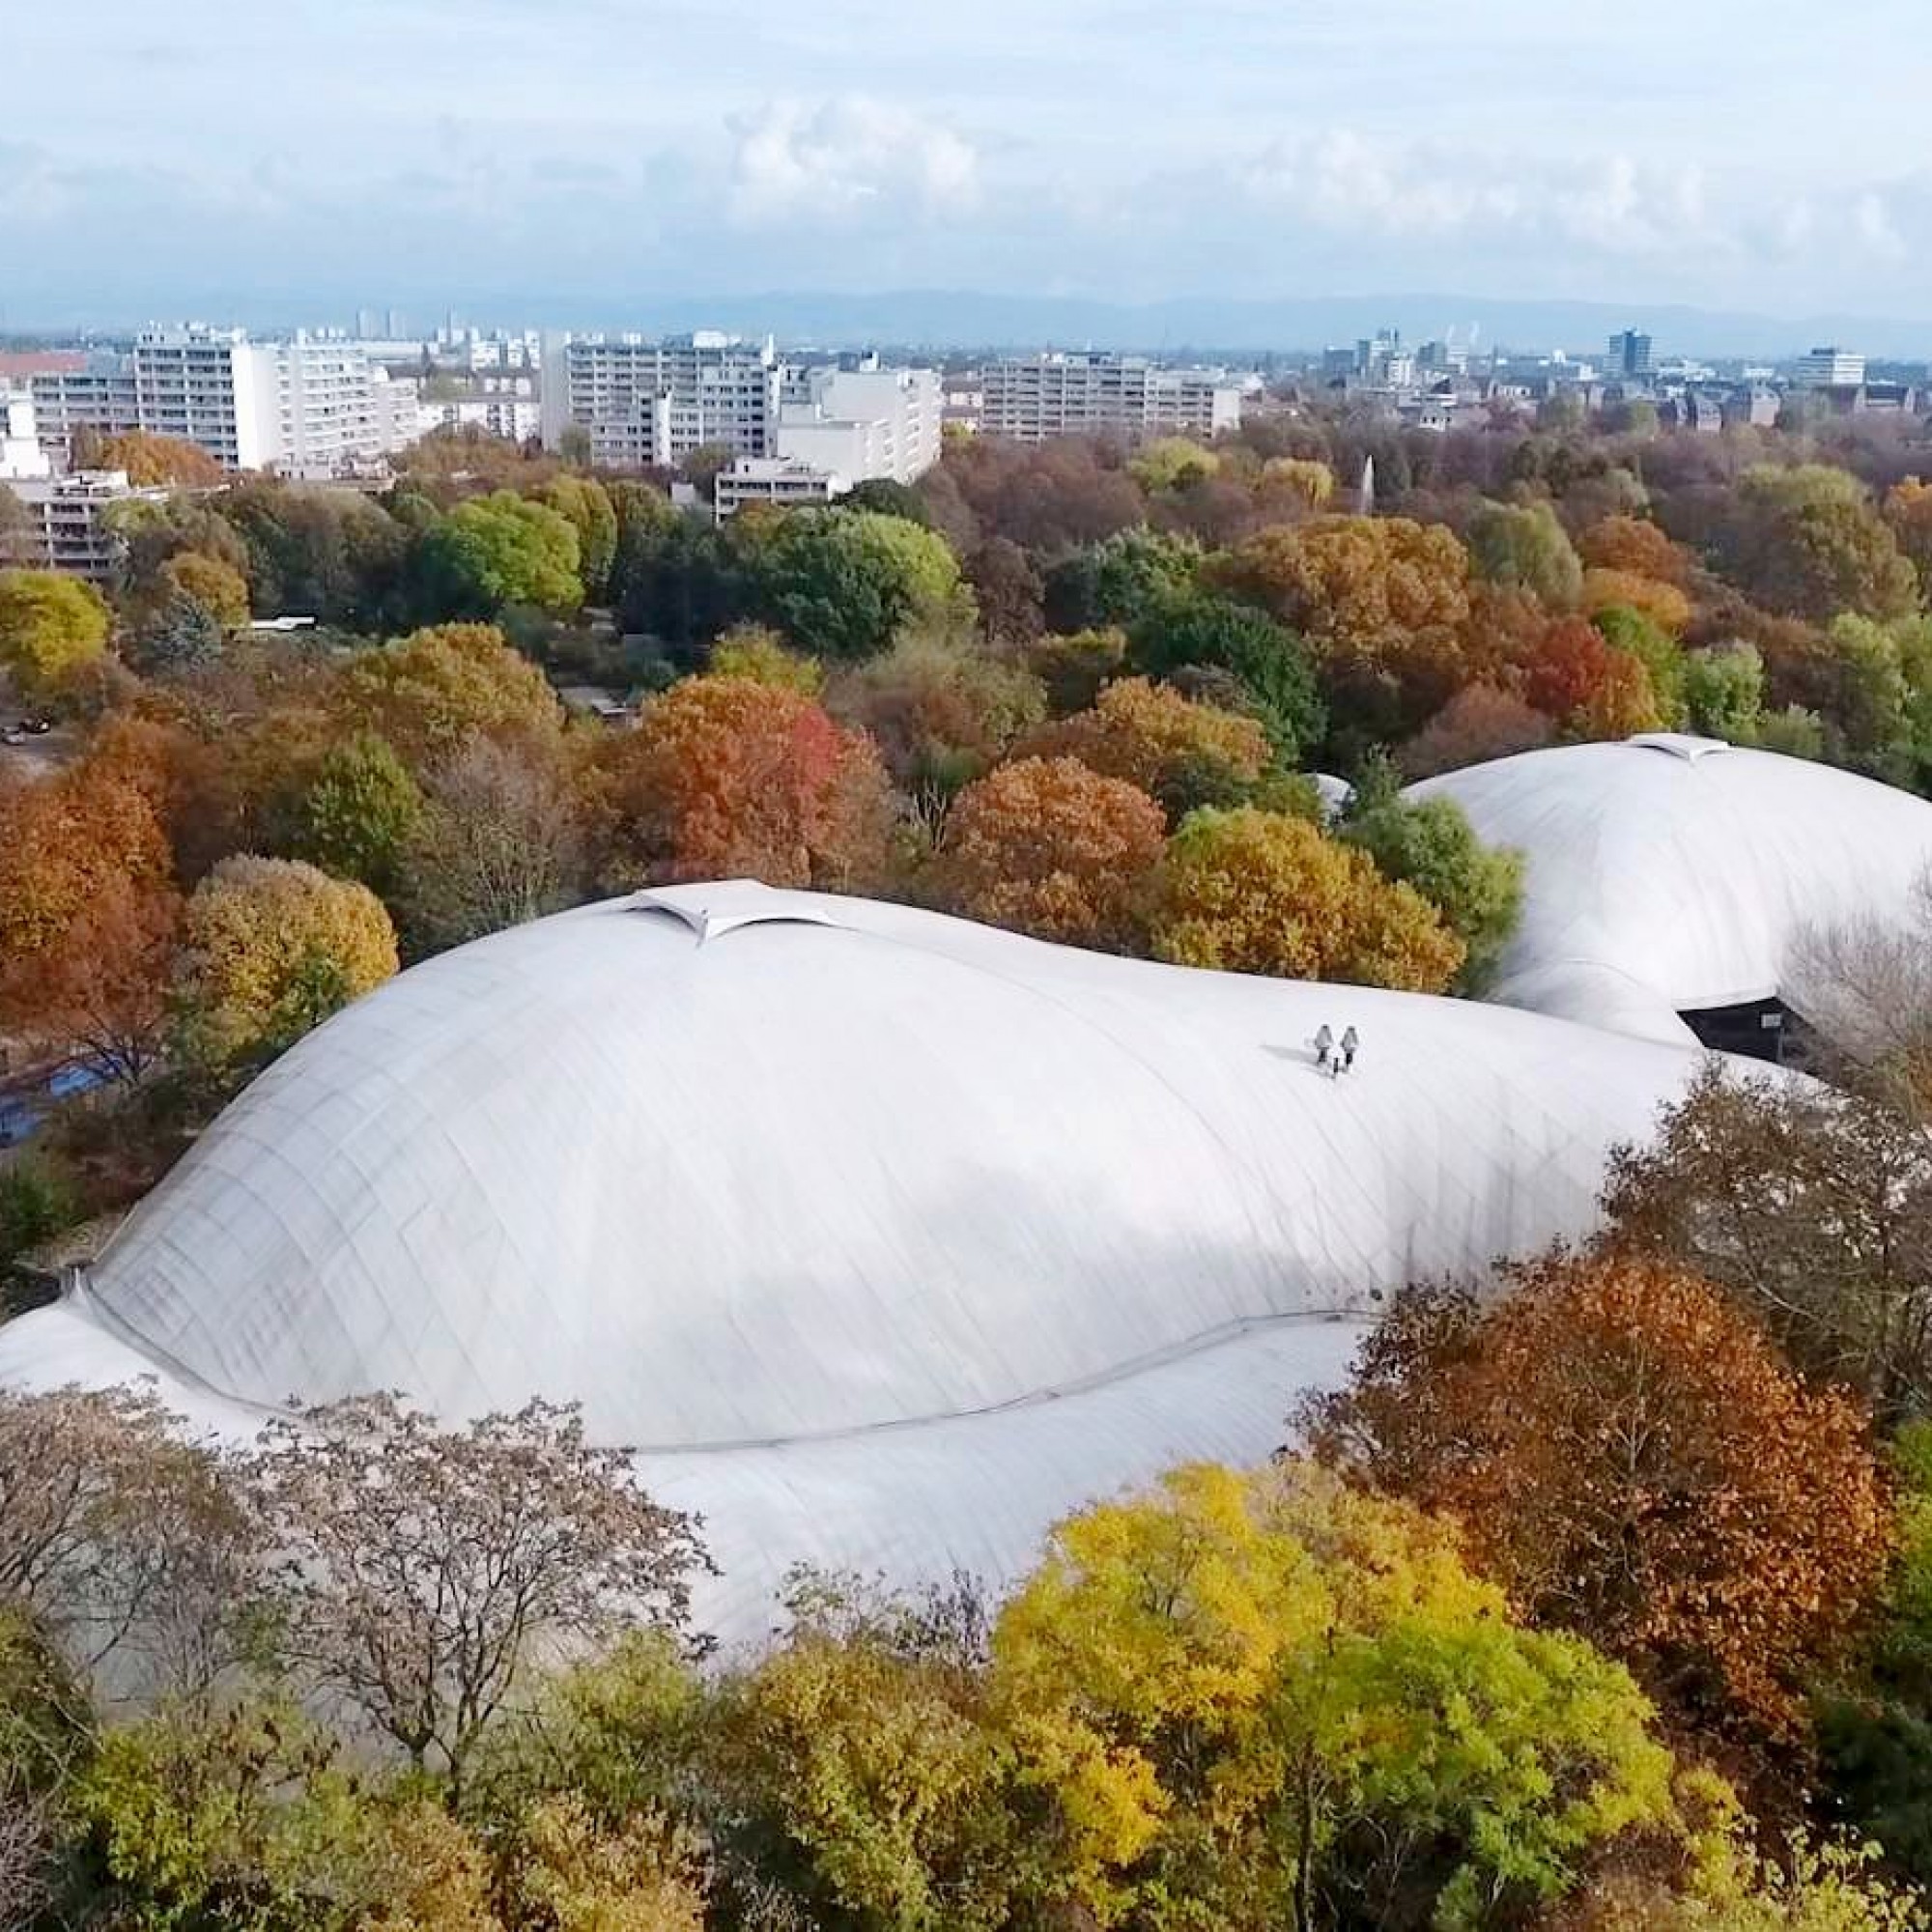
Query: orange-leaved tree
[1180, 751]
[725, 778]
[1249, 890]
[88, 915]
[1631, 1458]
[1052, 847]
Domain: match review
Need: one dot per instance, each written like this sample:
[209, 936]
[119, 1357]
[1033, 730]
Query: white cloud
[844, 157]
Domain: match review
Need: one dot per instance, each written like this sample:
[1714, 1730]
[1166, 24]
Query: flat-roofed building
[1032, 397]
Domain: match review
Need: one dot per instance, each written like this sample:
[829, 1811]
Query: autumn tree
[218, 587]
[940, 710]
[273, 947]
[149, 460]
[1661, 604]
[88, 917]
[1356, 585]
[758, 652]
[1177, 751]
[51, 627]
[1231, 1690]
[123, 1538]
[1576, 678]
[1249, 890]
[723, 776]
[422, 1570]
[1807, 541]
[1636, 546]
[1812, 1204]
[498, 838]
[1008, 589]
[1628, 1457]
[1074, 664]
[1051, 847]
[841, 582]
[431, 691]
[1480, 722]
[1523, 546]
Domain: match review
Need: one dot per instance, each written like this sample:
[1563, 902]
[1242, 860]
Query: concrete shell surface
[1668, 874]
[884, 1237]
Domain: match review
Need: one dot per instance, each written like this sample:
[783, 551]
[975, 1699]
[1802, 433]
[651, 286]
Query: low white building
[776, 480]
[516, 418]
[71, 529]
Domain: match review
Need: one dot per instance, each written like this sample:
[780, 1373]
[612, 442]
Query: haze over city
[620, 159]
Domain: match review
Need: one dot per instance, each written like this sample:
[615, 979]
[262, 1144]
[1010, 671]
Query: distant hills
[1206, 324]
[966, 319]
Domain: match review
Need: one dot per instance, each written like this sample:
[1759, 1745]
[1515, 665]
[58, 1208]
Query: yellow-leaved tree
[1250, 891]
[272, 948]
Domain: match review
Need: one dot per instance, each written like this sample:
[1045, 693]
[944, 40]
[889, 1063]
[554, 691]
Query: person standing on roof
[1350, 1043]
[1324, 1046]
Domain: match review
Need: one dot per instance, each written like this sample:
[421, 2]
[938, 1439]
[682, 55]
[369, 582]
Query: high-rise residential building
[657, 400]
[1628, 354]
[1829, 368]
[1032, 397]
[308, 407]
[862, 423]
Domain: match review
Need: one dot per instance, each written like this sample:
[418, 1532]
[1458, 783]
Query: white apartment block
[1032, 397]
[866, 422]
[776, 480]
[656, 401]
[515, 418]
[1831, 368]
[309, 407]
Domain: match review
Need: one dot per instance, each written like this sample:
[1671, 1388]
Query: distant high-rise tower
[1628, 353]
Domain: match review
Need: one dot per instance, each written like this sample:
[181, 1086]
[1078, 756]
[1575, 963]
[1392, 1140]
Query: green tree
[1655, 649]
[1723, 692]
[1807, 541]
[1523, 546]
[841, 582]
[358, 811]
[496, 550]
[1287, 1703]
[51, 626]
[1278, 681]
[1124, 579]
[1431, 845]
[889, 498]
[586, 506]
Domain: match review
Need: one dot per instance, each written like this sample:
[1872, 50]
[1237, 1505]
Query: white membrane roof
[883, 1238]
[1667, 873]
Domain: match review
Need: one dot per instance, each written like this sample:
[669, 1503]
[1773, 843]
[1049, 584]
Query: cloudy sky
[583, 155]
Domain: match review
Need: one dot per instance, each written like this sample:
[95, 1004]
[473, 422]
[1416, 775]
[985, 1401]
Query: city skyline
[613, 154]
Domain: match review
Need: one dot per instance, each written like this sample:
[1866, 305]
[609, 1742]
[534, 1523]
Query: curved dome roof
[1665, 874]
[884, 1237]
